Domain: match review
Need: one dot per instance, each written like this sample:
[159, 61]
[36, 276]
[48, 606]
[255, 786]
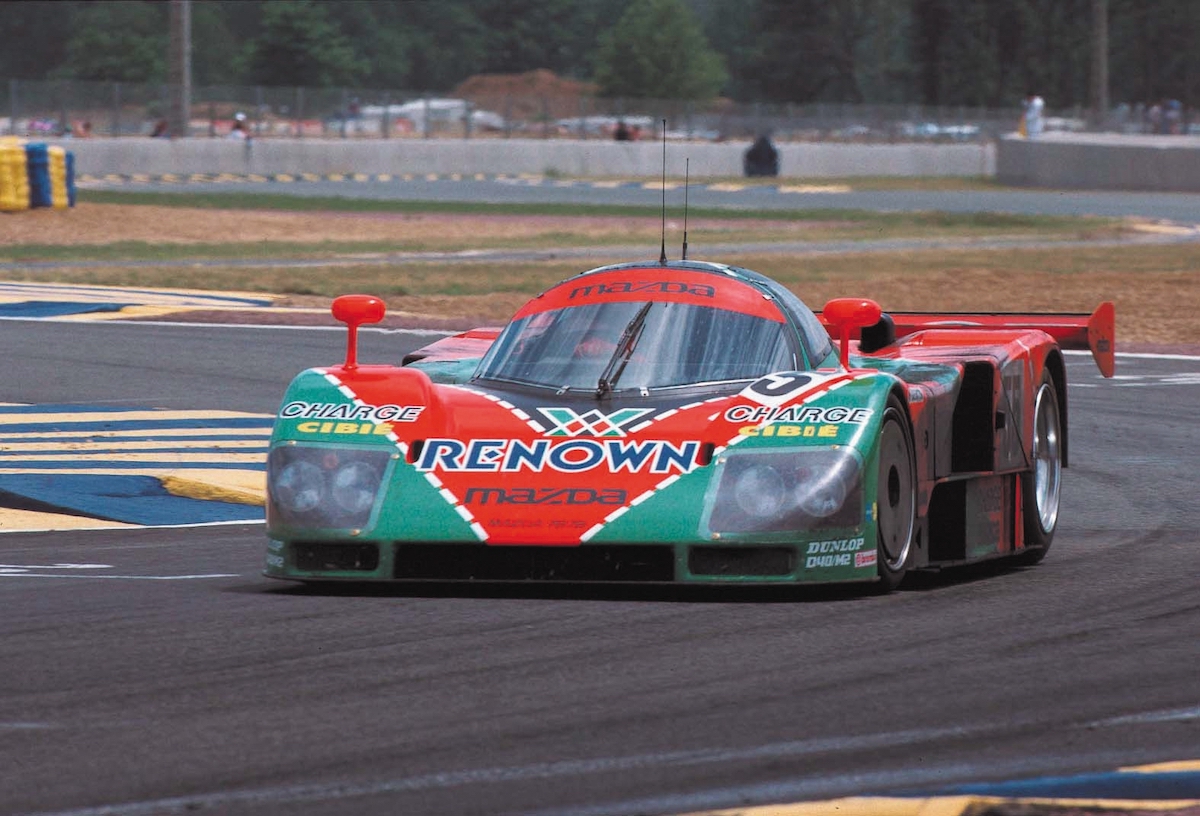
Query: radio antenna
[662, 258]
[687, 166]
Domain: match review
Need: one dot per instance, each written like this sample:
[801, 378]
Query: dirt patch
[89, 224]
[1151, 308]
[526, 96]
[1154, 313]
[1157, 307]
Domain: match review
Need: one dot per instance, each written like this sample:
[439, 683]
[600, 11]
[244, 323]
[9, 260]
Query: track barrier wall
[1098, 161]
[1062, 161]
[594, 158]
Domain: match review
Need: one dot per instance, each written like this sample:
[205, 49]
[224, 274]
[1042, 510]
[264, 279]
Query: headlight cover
[787, 491]
[324, 487]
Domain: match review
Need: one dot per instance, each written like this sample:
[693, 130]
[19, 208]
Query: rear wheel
[896, 497]
[1041, 488]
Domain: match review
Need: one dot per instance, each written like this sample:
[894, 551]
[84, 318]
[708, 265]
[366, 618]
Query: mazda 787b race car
[680, 422]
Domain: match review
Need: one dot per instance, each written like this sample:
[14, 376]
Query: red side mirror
[845, 314]
[354, 311]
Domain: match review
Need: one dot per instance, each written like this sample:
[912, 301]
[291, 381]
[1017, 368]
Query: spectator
[161, 130]
[238, 131]
[761, 159]
[1033, 116]
[622, 133]
[1173, 116]
[1154, 116]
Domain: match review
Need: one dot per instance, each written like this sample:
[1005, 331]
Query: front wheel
[896, 497]
[1041, 488]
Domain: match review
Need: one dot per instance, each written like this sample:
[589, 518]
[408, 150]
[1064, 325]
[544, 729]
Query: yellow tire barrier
[14, 178]
[58, 177]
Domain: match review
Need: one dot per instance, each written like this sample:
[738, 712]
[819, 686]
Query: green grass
[759, 226]
[927, 183]
[143, 251]
[294, 203]
[291, 203]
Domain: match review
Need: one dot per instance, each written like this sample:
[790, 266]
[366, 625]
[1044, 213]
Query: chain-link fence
[95, 109]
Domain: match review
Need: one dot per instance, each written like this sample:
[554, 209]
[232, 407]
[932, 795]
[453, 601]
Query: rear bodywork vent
[972, 519]
[974, 435]
[948, 522]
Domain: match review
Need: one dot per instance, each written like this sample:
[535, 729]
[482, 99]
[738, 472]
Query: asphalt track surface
[1183, 208]
[155, 671]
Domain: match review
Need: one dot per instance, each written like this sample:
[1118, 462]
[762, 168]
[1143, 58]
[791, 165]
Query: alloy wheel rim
[894, 493]
[1047, 457]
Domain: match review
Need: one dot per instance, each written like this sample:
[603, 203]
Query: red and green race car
[679, 422]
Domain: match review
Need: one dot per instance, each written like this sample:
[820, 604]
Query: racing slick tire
[896, 496]
[1041, 488]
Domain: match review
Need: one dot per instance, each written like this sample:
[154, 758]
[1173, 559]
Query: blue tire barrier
[37, 165]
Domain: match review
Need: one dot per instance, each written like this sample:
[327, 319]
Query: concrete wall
[492, 156]
[1056, 160]
[1101, 161]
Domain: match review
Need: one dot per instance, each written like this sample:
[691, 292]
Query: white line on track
[1153, 356]
[121, 577]
[549, 770]
[5, 567]
[223, 326]
[139, 527]
[768, 791]
[1140, 355]
[424, 332]
[1173, 715]
[427, 332]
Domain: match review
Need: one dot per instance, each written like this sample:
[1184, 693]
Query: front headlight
[799, 490]
[299, 487]
[822, 492]
[324, 487]
[759, 492]
[354, 486]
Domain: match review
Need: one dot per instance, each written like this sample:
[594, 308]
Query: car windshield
[636, 345]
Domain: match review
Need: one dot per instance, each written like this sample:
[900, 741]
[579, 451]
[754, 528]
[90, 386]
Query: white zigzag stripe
[433, 480]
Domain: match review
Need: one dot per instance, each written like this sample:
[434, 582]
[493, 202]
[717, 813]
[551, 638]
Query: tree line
[986, 53]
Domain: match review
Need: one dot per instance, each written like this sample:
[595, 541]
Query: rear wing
[467, 345]
[1094, 332]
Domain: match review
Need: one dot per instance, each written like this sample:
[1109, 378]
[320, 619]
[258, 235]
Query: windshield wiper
[624, 350]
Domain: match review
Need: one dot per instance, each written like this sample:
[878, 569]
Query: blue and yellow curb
[954, 806]
[1159, 788]
[71, 466]
[387, 178]
[75, 302]
[290, 178]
